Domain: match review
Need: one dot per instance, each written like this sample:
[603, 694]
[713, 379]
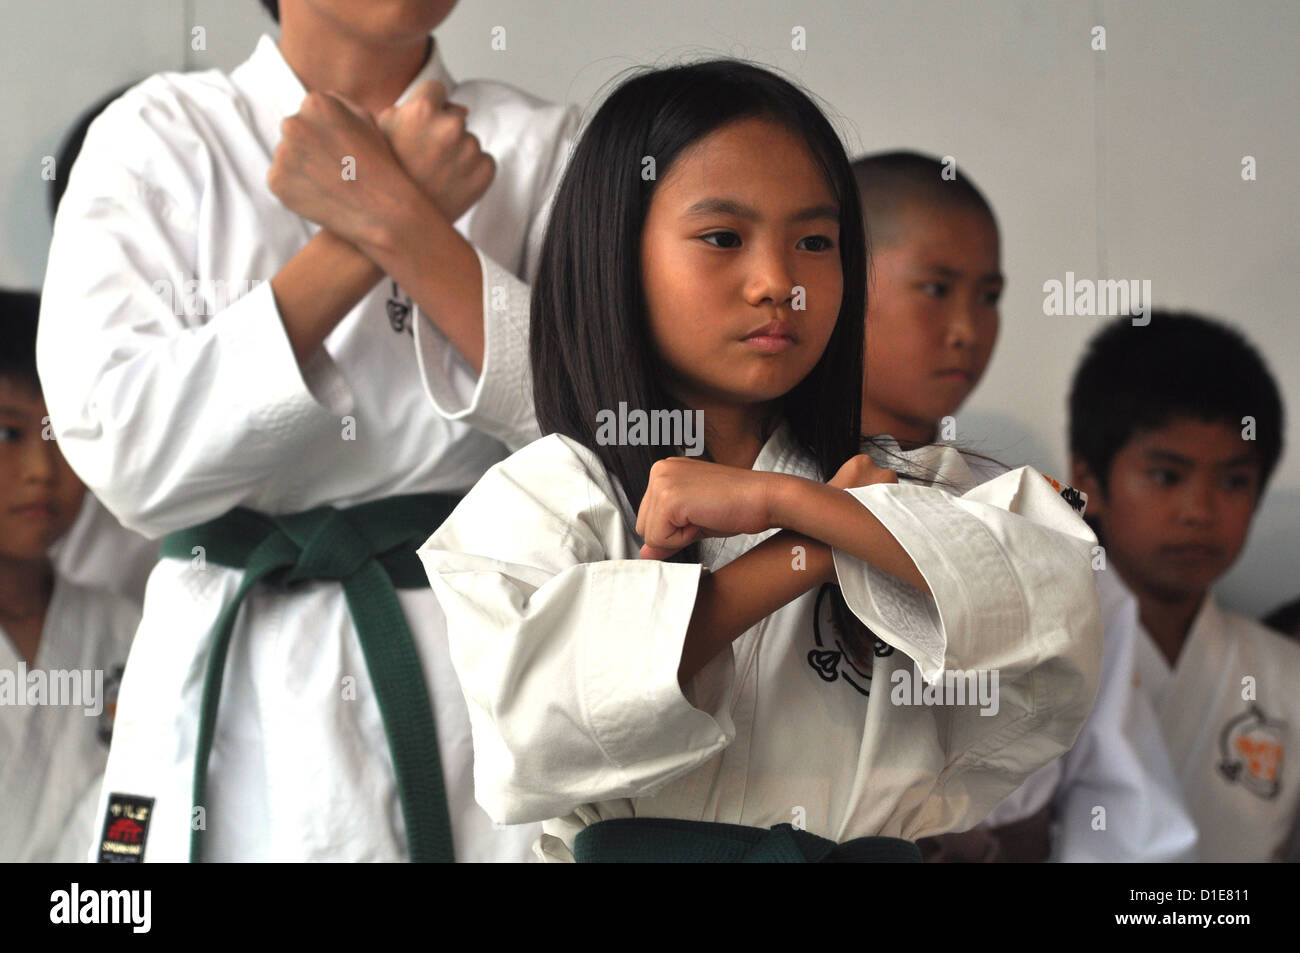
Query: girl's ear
[1081, 478]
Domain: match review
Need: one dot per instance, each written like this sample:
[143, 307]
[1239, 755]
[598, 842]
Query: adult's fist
[445, 159]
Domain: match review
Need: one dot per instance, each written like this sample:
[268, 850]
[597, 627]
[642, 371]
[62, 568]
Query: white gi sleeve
[499, 400]
[566, 645]
[1120, 763]
[1012, 594]
[169, 417]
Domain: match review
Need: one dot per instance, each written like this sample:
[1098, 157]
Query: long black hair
[591, 345]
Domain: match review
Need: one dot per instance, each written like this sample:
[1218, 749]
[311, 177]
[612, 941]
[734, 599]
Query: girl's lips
[769, 343]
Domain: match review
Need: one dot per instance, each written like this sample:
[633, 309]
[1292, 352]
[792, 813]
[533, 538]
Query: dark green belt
[634, 840]
[370, 549]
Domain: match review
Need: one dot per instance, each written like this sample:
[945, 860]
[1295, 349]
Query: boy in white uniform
[1175, 429]
[931, 326]
[62, 645]
[187, 397]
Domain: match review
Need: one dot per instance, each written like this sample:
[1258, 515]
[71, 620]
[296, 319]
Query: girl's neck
[325, 57]
[735, 434]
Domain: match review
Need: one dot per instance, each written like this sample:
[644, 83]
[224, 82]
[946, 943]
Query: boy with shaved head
[931, 324]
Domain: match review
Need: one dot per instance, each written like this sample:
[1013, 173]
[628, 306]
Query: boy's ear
[1081, 478]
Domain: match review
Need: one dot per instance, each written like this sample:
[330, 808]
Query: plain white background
[1119, 164]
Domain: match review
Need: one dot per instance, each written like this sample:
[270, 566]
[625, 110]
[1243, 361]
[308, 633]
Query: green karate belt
[370, 549]
[633, 840]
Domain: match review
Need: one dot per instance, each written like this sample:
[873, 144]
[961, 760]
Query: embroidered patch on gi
[112, 682]
[833, 661]
[398, 307]
[1077, 499]
[126, 825]
[1251, 746]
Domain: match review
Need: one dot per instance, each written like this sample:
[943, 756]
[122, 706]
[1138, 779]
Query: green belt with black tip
[370, 550]
[633, 840]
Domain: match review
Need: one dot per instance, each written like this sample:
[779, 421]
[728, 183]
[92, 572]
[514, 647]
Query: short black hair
[273, 8]
[889, 182]
[18, 313]
[1142, 377]
[1285, 619]
[70, 148]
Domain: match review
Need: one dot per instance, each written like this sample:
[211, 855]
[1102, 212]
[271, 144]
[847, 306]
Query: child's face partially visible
[380, 21]
[40, 496]
[741, 219]
[932, 319]
[1178, 508]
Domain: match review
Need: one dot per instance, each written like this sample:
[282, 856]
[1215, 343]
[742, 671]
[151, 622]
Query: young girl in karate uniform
[635, 630]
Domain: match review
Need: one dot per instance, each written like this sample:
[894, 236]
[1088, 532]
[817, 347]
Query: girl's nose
[771, 279]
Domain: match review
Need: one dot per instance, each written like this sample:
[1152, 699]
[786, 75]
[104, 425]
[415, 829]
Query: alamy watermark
[1104, 297]
[655, 428]
[203, 296]
[77, 906]
[70, 688]
[953, 687]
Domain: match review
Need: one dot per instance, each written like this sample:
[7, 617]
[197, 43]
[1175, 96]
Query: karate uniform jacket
[567, 646]
[1229, 711]
[1114, 795]
[53, 746]
[176, 397]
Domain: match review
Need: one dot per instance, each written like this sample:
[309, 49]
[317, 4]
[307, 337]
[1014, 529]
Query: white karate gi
[52, 755]
[1119, 761]
[1230, 714]
[174, 419]
[567, 646]
[99, 552]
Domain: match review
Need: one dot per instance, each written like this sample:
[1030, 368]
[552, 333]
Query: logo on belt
[126, 825]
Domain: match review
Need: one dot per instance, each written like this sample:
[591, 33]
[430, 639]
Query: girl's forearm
[746, 590]
[835, 518]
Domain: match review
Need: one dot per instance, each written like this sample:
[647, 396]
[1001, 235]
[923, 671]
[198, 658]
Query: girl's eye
[993, 297]
[1164, 477]
[935, 289]
[8, 434]
[724, 235]
[820, 242]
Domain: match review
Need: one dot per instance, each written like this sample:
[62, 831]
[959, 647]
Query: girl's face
[740, 265]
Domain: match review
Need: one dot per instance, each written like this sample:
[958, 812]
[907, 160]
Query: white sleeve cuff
[969, 577]
[499, 401]
[278, 396]
[654, 722]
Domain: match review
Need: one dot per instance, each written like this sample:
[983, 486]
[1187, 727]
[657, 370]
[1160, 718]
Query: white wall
[1124, 163]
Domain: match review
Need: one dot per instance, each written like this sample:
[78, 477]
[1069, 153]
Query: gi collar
[268, 73]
